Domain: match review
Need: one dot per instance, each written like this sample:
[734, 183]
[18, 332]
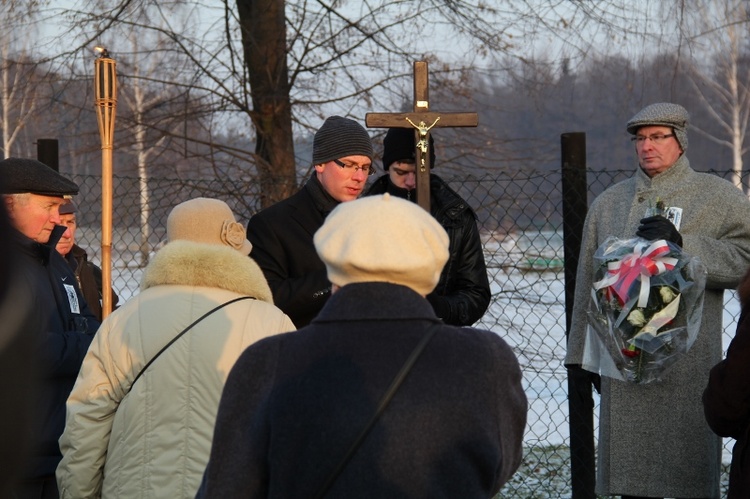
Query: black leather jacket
[463, 293]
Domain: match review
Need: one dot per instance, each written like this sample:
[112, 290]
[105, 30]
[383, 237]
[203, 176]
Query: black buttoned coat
[282, 238]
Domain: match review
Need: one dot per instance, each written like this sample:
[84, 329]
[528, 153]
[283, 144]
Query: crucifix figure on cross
[422, 120]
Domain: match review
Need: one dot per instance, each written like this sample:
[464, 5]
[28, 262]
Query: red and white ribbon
[640, 264]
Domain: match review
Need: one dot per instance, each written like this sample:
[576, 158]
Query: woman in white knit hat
[141, 415]
[302, 414]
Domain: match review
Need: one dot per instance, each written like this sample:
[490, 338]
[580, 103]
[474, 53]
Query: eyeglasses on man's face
[366, 169]
[656, 138]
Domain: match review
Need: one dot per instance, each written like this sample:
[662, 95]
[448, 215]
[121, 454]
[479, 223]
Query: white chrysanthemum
[637, 318]
[667, 294]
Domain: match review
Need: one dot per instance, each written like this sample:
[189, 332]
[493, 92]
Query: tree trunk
[263, 26]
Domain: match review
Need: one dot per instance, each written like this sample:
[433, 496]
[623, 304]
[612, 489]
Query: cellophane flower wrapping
[645, 308]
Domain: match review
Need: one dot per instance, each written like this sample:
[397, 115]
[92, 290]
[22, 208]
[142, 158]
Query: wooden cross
[422, 120]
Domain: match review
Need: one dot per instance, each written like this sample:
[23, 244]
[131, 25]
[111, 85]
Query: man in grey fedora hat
[282, 234]
[32, 194]
[653, 439]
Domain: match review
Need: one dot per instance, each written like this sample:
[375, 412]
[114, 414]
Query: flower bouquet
[645, 306]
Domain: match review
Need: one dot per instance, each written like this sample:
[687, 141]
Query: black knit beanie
[340, 137]
[399, 145]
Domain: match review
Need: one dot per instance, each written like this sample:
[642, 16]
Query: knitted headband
[350, 243]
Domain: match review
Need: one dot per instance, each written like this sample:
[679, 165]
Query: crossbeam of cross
[422, 120]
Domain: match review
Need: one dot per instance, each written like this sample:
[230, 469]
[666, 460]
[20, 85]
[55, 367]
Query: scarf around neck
[323, 201]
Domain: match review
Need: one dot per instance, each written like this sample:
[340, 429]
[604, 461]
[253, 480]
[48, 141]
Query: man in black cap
[88, 275]
[32, 194]
[282, 234]
[463, 294]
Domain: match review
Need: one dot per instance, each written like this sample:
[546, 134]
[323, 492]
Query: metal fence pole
[580, 400]
[47, 153]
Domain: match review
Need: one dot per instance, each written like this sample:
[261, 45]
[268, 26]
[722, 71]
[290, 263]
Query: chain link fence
[520, 219]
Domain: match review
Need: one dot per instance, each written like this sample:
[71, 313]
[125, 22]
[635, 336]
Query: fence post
[47, 153]
[580, 399]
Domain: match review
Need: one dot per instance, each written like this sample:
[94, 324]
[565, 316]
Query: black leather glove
[658, 227]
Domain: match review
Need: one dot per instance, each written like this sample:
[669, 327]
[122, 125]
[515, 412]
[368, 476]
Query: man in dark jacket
[377, 397]
[32, 194]
[19, 327]
[726, 400]
[282, 234]
[463, 294]
[88, 275]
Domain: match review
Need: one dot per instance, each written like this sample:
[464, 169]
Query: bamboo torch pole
[105, 83]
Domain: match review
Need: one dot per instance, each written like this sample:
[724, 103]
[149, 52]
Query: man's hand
[658, 227]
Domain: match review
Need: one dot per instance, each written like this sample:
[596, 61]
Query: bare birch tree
[282, 66]
[723, 84]
[19, 74]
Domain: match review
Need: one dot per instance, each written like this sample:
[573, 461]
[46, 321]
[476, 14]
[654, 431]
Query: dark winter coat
[282, 238]
[89, 278]
[294, 404]
[463, 293]
[69, 326]
[726, 400]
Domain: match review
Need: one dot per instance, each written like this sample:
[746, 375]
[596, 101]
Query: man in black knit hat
[282, 234]
[463, 294]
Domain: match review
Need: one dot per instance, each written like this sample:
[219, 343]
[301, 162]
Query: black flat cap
[29, 175]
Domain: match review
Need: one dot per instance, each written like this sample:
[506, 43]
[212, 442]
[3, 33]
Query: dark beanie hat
[68, 208]
[29, 175]
[399, 145]
[340, 137]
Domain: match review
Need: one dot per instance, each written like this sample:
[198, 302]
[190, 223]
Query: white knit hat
[384, 239]
[206, 220]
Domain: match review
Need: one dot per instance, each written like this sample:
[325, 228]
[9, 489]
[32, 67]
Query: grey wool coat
[653, 438]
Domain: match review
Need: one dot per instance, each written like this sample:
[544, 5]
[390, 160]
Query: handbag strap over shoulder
[196, 321]
[387, 396]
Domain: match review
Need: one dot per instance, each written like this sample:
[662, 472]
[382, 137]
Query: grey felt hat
[340, 137]
[22, 175]
[663, 114]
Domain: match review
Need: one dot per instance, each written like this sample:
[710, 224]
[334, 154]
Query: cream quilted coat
[154, 440]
